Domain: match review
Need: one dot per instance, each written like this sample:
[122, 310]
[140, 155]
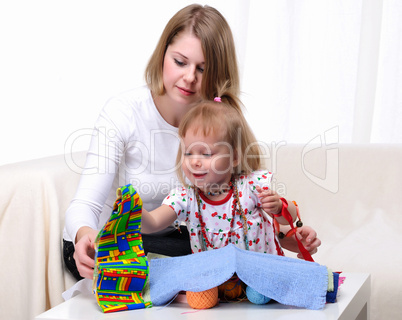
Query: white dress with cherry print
[217, 216]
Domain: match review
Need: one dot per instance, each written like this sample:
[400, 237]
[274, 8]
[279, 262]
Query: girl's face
[183, 66]
[207, 160]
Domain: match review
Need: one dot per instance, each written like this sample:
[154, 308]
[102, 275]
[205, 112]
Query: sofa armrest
[34, 197]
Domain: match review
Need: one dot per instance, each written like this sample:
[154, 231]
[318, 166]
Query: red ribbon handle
[286, 214]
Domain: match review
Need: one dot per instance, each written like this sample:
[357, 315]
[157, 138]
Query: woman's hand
[307, 236]
[84, 254]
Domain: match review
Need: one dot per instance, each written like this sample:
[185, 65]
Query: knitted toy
[204, 299]
[256, 297]
[121, 267]
[229, 290]
[232, 289]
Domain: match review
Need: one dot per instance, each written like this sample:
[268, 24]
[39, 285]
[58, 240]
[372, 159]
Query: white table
[352, 303]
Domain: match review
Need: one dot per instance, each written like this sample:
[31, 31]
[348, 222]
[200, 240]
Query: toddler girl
[226, 196]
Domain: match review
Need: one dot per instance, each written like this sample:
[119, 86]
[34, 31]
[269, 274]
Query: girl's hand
[84, 254]
[270, 201]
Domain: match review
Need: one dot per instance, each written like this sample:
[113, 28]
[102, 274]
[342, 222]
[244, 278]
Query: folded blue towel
[288, 281]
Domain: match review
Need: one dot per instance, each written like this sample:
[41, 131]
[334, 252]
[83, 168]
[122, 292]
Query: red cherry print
[214, 214]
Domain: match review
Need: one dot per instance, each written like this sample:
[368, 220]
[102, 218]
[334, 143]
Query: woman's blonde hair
[217, 43]
[225, 119]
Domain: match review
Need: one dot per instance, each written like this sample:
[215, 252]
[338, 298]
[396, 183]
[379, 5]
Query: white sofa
[349, 193]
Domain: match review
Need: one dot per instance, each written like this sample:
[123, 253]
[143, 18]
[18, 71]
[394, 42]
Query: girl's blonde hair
[225, 119]
[217, 43]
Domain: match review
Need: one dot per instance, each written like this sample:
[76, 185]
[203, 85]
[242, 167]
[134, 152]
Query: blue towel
[288, 281]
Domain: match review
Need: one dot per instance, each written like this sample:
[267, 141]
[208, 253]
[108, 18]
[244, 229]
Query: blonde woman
[135, 137]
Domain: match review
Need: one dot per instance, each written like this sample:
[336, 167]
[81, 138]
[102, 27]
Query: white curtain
[387, 116]
[311, 69]
[324, 68]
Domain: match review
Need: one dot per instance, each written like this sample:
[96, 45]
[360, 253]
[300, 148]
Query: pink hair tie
[217, 99]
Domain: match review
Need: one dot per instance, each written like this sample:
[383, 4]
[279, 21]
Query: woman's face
[182, 69]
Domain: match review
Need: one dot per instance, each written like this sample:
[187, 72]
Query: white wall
[61, 60]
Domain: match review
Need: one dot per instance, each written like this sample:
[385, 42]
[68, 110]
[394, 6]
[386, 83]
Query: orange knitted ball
[231, 289]
[203, 299]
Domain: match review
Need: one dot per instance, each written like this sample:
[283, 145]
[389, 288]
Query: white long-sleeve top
[131, 143]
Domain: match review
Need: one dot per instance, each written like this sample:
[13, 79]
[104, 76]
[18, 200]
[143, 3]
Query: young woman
[135, 137]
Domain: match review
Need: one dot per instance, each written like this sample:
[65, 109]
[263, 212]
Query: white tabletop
[352, 303]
